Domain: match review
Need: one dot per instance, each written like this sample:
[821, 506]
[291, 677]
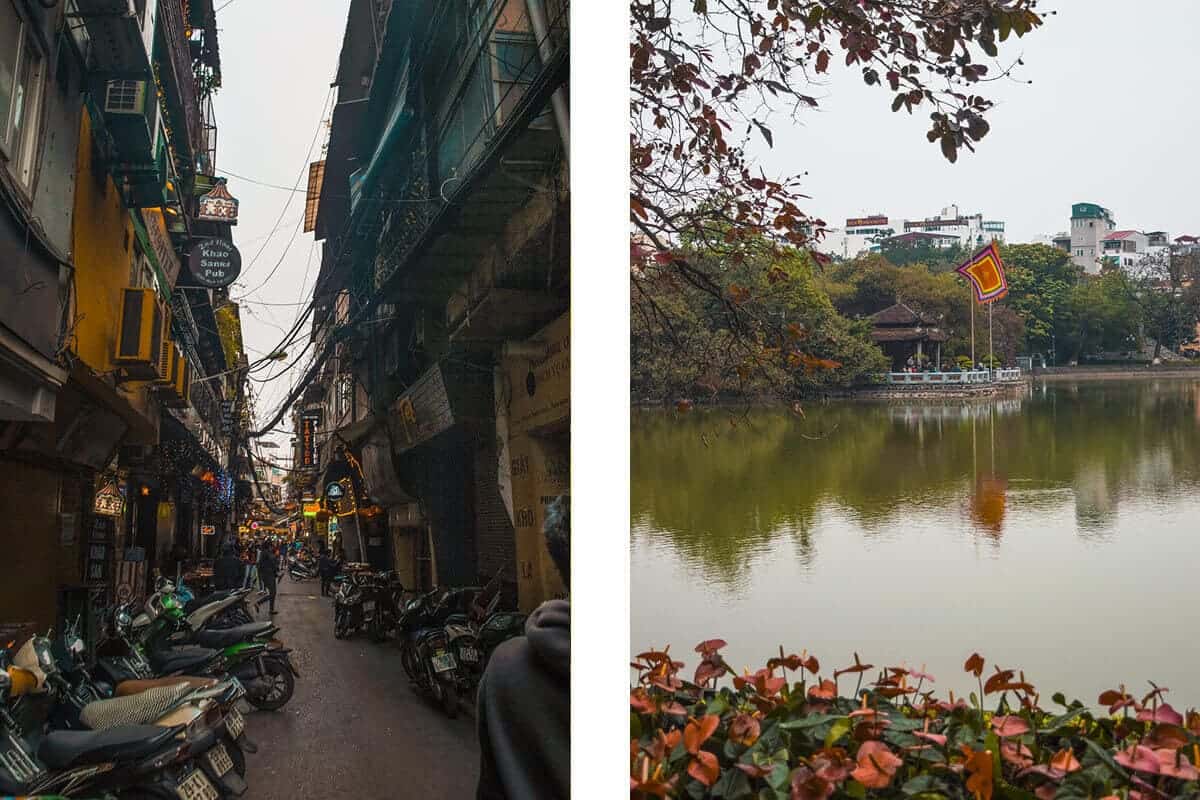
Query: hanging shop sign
[541, 388]
[208, 530]
[100, 550]
[227, 417]
[308, 440]
[334, 491]
[422, 412]
[311, 509]
[160, 243]
[218, 205]
[215, 263]
[109, 500]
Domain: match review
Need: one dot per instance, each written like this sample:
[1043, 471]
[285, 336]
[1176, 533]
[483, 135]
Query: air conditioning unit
[144, 324]
[178, 391]
[122, 96]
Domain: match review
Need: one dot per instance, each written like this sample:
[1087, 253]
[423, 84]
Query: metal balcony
[121, 34]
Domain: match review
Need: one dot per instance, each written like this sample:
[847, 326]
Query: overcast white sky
[1111, 117]
[278, 58]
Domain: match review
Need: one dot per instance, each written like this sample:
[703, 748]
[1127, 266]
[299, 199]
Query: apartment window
[141, 273]
[21, 77]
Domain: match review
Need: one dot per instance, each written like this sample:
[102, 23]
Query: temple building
[903, 334]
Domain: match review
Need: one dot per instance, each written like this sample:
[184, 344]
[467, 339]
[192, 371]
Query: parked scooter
[134, 761]
[261, 663]
[425, 651]
[475, 635]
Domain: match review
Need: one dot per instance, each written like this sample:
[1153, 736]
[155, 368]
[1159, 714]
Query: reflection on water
[1056, 531]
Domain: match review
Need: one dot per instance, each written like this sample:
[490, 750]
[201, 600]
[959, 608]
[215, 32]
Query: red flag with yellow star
[985, 271]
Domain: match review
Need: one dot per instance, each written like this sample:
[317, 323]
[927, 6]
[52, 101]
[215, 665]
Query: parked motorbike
[260, 662]
[132, 761]
[475, 635]
[347, 606]
[425, 650]
[301, 570]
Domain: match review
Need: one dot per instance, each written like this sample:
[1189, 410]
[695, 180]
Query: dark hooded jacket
[227, 571]
[525, 711]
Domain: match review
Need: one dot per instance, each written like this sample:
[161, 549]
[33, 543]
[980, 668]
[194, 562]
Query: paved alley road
[354, 727]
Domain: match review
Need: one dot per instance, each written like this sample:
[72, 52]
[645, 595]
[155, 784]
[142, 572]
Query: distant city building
[1090, 223]
[971, 230]
[1062, 241]
[869, 233]
[940, 241]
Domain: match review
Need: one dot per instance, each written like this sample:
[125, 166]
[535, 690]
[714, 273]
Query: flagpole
[990, 356]
[972, 299]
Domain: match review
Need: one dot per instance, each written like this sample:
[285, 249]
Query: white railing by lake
[976, 376]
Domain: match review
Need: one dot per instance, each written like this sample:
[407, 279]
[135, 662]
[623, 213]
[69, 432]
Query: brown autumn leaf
[979, 770]
[974, 665]
[876, 765]
[809, 785]
[697, 731]
[705, 768]
[1009, 726]
[744, 730]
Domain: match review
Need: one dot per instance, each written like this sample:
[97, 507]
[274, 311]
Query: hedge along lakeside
[785, 731]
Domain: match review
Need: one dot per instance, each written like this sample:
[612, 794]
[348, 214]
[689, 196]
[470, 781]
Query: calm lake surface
[1057, 533]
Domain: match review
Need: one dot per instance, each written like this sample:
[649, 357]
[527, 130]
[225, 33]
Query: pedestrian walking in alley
[325, 569]
[524, 713]
[227, 570]
[250, 564]
[268, 573]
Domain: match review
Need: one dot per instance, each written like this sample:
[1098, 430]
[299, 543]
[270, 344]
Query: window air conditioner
[125, 97]
[179, 390]
[141, 334]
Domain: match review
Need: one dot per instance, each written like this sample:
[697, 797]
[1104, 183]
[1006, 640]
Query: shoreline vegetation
[1053, 310]
[793, 731]
[873, 392]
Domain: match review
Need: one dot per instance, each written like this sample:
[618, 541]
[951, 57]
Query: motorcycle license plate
[443, 662]
[469, 654]
[234, 723]
[219, 759]
[197, 787]
[368, 605]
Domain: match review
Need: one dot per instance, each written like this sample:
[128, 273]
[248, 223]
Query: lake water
[1058, 533]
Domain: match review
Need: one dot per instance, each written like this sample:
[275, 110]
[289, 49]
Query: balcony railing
[179, 74]
[977, 376]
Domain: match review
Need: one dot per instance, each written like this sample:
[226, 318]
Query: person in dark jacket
[524, 713]
[227, 570]
[268, 573]
[326, 570]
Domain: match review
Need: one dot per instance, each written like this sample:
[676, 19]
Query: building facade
[1090, 223]
[109, 431]
[438, 429]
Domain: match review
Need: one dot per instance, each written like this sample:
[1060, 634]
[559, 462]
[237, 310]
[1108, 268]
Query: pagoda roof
[900, 315]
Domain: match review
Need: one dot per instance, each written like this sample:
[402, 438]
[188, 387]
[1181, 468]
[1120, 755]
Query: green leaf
[718, 705]
[1061, 720]
[1106, 758]
[855, 789]
[923, 784]
[732, 785]
[811, 721]
[838, 730]
[635, 726]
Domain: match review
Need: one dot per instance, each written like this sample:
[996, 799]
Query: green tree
[1040, 281]
[1101, 315]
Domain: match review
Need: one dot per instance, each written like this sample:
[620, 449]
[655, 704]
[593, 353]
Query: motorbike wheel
[341, 625]
[408, 661]
[445, 694]
[279, 686]
[236, 755]
[375, 630]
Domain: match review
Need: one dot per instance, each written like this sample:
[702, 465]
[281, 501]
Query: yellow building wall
[103, 247]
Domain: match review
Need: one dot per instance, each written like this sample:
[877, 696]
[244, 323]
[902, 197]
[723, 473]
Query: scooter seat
[63, 749]
[126, 688]
[182, 659]
[220, 638]
[137, 709]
